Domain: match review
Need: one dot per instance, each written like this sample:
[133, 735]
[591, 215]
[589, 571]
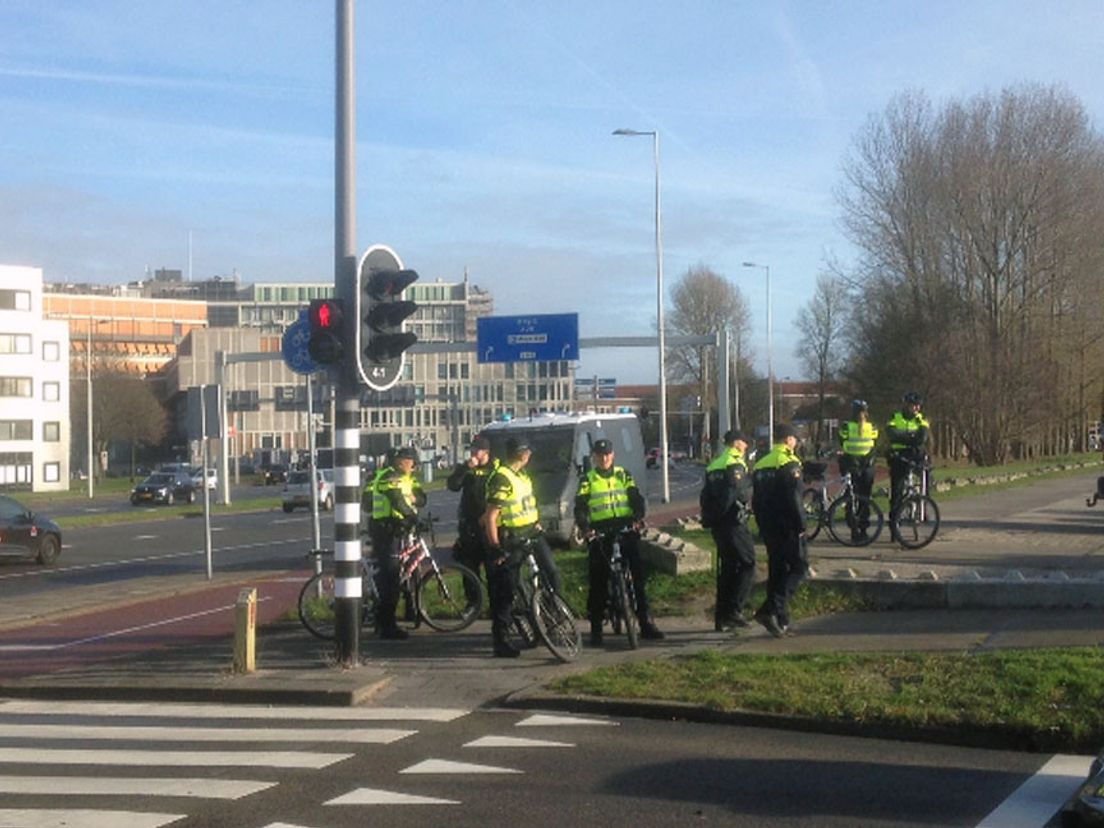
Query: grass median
[1049, 699]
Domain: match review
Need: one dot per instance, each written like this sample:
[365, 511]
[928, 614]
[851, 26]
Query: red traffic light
[325, 314]
[326, 345]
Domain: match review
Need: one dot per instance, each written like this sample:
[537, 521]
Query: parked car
[26, 534]
[651, 460]
[297, 489]
[275, 474]
[164, 487]
[196, 473]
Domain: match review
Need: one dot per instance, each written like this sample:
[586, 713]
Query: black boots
[502, 646]
[649, 631]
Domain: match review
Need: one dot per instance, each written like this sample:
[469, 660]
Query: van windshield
[551, 463]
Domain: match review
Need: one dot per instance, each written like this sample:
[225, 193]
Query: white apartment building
[34, 387]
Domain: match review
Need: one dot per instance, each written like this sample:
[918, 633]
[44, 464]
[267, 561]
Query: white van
[561, 446]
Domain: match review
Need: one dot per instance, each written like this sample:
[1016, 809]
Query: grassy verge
[1038, 698]
[194, 510]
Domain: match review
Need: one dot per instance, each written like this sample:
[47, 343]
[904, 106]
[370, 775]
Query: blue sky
[484, 137]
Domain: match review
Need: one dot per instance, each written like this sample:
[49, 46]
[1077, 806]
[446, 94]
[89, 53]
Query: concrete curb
[991, 738]
[1011, 592]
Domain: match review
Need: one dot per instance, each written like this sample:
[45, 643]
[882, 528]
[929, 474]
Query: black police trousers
[862, 480]
[386, 545]
[735, 568]
[598, 553]
[787, 563]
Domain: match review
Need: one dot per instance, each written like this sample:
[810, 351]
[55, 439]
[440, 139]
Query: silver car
[297, 489]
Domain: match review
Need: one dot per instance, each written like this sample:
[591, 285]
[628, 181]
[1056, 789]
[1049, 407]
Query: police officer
[908, 436]
[607, 501]
[777, 505]
[470, 479]
[396, 497]
[726, 496]
[512, 525]
[857, 456]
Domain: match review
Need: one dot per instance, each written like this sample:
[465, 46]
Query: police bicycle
[914, 521]
[539, 614]
[839, 514]
[448, 597]
[620, 590]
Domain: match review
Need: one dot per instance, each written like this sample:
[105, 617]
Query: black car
[164, 487]
[275, 474]
[24, 533]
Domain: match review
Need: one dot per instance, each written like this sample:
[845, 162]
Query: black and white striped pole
[347, 545]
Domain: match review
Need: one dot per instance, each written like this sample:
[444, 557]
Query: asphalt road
[207, 766]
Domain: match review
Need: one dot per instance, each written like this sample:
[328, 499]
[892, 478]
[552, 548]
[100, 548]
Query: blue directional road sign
[294, 346]
[539, 337]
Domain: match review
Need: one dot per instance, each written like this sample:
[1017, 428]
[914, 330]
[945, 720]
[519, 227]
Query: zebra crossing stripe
[82, 818]
[1039, 798]
[445, 766]
[374, 796]
[546, 720]
[377, 736]
[513, 741]
[150, 786]
[173, 758]
[209, 711]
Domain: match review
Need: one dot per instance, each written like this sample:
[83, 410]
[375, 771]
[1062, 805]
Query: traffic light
[383, 342]
[327, 320]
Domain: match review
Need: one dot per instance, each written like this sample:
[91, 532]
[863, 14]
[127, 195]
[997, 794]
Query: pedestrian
[396, 497]
[857, 438]
[607, 501]
[908, 437]
[470, 479]
[512, 526]
[726, 506]
[776, 502]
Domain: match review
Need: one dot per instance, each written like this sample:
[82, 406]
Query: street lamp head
[750, 264]
[633, 132]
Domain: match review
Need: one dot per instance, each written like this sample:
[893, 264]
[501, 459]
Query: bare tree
[822, 325]
[126, 409]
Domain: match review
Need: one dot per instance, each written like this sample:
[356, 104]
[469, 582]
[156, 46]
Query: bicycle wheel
[451, 598]
[622, 590]
[843, 520]
[915, 521]
[317, 602]
[522, 633]
[814, 511]
[556, 625]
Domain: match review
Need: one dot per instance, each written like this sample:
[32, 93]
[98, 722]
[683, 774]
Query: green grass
[1048, 697]
[194, 510]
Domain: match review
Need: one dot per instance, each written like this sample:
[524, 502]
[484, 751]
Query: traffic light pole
[347, 546]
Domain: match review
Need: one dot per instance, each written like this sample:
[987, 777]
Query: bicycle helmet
[912, 398]
[859, 405]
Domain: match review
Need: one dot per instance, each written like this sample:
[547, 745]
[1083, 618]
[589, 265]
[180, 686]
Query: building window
[51, 432]
[15, 468]
[15, 300]
[16, 429]
[16, 387]
[51, 472]
[51, 352]
[15, 343]
[51, 391]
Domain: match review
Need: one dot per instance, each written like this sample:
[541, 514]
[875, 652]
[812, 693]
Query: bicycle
[447, 597]
[914, 522]
[621, 592]
[540, 614]
[839, 514]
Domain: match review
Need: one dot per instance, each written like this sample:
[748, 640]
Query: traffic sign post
[538, 337]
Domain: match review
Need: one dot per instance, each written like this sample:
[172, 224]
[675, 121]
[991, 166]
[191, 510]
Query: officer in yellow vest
[396, 497]
[857, 456]
[512, 526]
[607, 501]
[726, 506]
[781, 518]
[908, 436]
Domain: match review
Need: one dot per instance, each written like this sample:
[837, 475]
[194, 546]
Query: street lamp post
[770, 364]
[663, 450]
[88, 369]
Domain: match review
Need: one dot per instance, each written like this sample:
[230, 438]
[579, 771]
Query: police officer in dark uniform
[778, 511]
[396, 497]
[726, 497]
[470, 479]
[606, 501]
[857, 438]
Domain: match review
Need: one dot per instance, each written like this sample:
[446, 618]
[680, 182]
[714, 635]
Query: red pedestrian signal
[327, 343]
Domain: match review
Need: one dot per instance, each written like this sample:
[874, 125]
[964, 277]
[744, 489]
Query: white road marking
[545, 720]
[83, 818]
[1039, 798]
[445, 766]
[377, 736]
[173, 758]
[374, 796]
[145, 537]
[513, 741]
[150, 786]
[233, 712]
[283, 825]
